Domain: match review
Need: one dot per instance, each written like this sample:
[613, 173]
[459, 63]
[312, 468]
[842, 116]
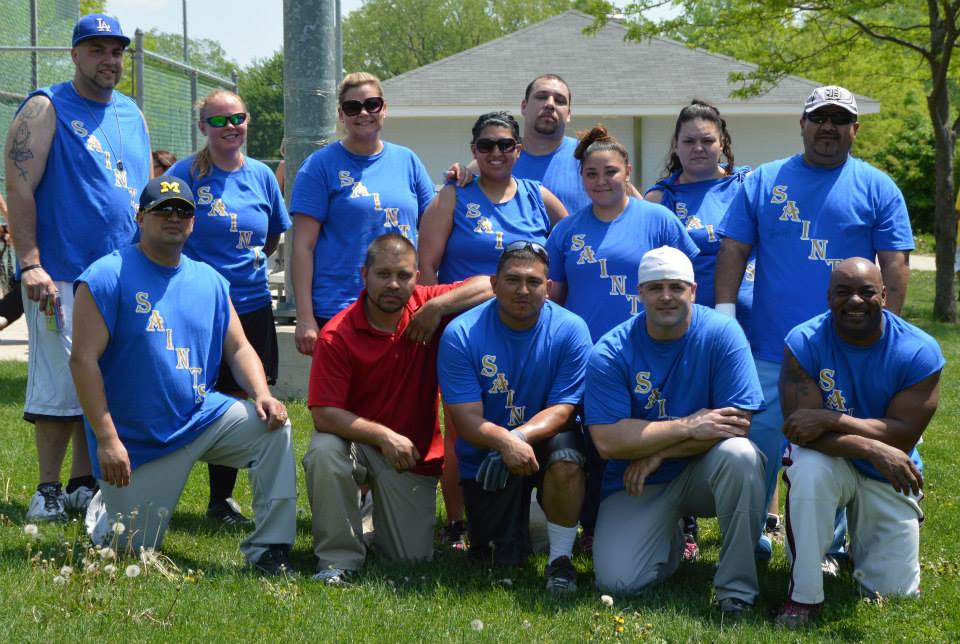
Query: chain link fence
[34, 52]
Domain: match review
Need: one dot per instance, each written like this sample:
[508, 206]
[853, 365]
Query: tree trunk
[945, 219]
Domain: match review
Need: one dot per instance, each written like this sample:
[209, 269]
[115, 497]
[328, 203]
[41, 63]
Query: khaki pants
[404, 504]
[638, 539]
[884, 526]
[238, 439]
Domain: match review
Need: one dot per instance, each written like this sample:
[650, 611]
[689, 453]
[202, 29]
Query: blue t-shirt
[802, 221]
[163, 356]
[559, 171]
[515, 374]
[86, 204]
[631, 375]
[861, 381]
[701, 205]
[236, 212]
[598, 260]
[356, 198]
[482, 229]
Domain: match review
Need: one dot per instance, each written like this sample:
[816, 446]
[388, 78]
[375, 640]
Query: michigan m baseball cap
[98, 25]
[164, 189]
[831, 95]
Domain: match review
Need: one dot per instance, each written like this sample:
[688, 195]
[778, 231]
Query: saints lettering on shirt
[483, 226]
[791, 215]
[181, 355]
[833, 397]
[617, 283]
[500, 385]
[93, 145]
[391, 216]
[655, 399]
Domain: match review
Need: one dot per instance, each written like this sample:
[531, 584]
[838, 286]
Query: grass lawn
[207, 596]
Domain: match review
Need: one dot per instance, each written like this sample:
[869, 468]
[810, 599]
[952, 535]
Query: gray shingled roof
[607, 75]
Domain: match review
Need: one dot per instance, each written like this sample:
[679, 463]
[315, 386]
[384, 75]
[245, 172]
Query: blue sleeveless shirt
[85, 202]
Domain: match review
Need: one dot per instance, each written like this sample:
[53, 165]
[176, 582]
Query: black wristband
[29, 267]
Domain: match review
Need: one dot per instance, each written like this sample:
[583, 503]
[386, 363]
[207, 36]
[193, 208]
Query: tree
[261, 86]
[389, 37]
[785, 37]
[205, 54]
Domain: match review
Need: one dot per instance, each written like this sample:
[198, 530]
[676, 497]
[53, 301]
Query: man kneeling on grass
[150, 327]
[858, 387]
[669, 398]
[511, 372]
[373, 397]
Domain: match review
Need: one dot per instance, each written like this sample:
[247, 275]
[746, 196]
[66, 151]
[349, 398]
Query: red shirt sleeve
[330, 373]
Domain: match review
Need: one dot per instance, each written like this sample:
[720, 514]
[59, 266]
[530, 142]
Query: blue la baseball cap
[98, 25]
[163, 189]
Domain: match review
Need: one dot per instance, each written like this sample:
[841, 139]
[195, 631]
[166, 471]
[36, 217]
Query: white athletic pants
[884, 526]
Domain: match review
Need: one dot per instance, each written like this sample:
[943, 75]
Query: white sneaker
[334, 576]
[79, 499]
[97, 523]
[47, 504]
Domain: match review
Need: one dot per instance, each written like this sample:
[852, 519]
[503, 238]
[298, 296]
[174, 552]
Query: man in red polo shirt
[373, 397]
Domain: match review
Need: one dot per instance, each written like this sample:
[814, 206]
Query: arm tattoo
[30, 111]
[795, 384]
[20, 149]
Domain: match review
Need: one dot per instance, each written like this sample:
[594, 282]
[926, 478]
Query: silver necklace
[103, 132]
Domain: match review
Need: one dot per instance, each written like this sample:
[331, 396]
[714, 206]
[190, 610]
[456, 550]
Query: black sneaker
[734, 608]
[561, 576]
[454, 535]
[228, 513]
[275, 561]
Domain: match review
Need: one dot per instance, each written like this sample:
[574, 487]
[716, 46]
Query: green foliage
[92, 6]
[389, 37]
[205, 53]
[261, 86]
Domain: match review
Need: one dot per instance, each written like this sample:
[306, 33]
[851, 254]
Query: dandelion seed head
[133, 570]
[31, 530]
[119, 528]
[66, 571]
[107, 553]
[110, 569]
[526, 624]
[606, 600]
[163, 513]
[58, 580]
[476, 625]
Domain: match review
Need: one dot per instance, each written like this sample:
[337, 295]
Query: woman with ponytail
[594, 255]
[239, 218]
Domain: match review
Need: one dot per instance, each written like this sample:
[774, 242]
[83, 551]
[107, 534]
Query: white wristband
[726, 308]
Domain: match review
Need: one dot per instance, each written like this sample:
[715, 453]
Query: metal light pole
[309, 99]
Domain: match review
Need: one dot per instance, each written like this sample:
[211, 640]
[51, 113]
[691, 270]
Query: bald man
[858, 388]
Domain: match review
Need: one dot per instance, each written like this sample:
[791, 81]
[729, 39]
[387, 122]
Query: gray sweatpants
[238, 439]
[404, 504]
[638, 539]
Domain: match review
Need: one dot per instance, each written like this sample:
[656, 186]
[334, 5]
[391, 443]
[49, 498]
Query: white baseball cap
[665, 263]
[831, 95]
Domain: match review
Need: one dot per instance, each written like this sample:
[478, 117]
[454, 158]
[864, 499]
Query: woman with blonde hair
[239, 218]
[346, 195]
